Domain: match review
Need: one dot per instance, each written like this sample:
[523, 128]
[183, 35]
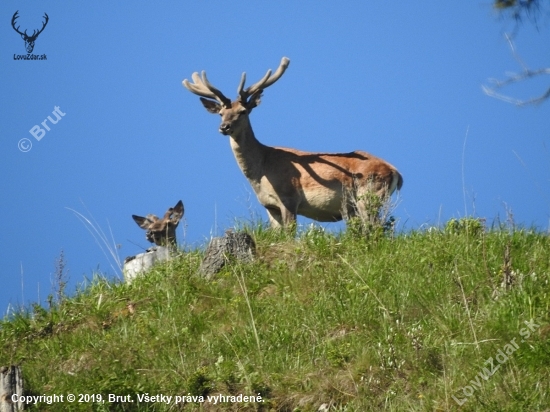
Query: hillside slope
[422, 321]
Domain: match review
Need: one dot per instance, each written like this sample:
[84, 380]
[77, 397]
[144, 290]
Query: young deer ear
[211, 106]
[141, 221]
[177, 213]
[145, 222]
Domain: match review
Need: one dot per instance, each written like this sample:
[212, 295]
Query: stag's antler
[265, 82]
[202, 87]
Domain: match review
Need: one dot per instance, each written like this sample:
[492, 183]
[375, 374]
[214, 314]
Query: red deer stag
[161, 232]
[325, 187]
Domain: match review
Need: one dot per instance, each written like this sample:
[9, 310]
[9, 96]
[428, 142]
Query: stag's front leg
[275, 218]
[282, 218]
[289, 217]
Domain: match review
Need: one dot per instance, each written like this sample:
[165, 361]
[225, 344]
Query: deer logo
[29, 40]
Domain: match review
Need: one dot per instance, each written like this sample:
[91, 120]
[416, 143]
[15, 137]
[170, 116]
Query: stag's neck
[249, 153]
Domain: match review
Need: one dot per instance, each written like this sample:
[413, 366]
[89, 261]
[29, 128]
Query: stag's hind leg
[368, 208]
[370, 200]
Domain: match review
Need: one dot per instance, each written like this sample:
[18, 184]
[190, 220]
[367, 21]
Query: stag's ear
[211, 106]
[254, 101]
[177, 213]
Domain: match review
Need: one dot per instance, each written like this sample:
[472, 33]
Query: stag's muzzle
[225, 129]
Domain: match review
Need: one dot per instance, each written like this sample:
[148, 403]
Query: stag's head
[161, 232]
[234, 114]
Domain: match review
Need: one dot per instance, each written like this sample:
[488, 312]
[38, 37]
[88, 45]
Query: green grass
[396, 323]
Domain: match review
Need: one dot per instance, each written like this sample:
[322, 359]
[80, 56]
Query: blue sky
[401, 80]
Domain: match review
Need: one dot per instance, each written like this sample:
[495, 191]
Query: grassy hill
[445, 319]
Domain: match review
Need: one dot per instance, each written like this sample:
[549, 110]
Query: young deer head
[161, 232]
[289, 182]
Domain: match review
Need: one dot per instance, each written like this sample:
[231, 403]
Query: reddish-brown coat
[289, 182]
